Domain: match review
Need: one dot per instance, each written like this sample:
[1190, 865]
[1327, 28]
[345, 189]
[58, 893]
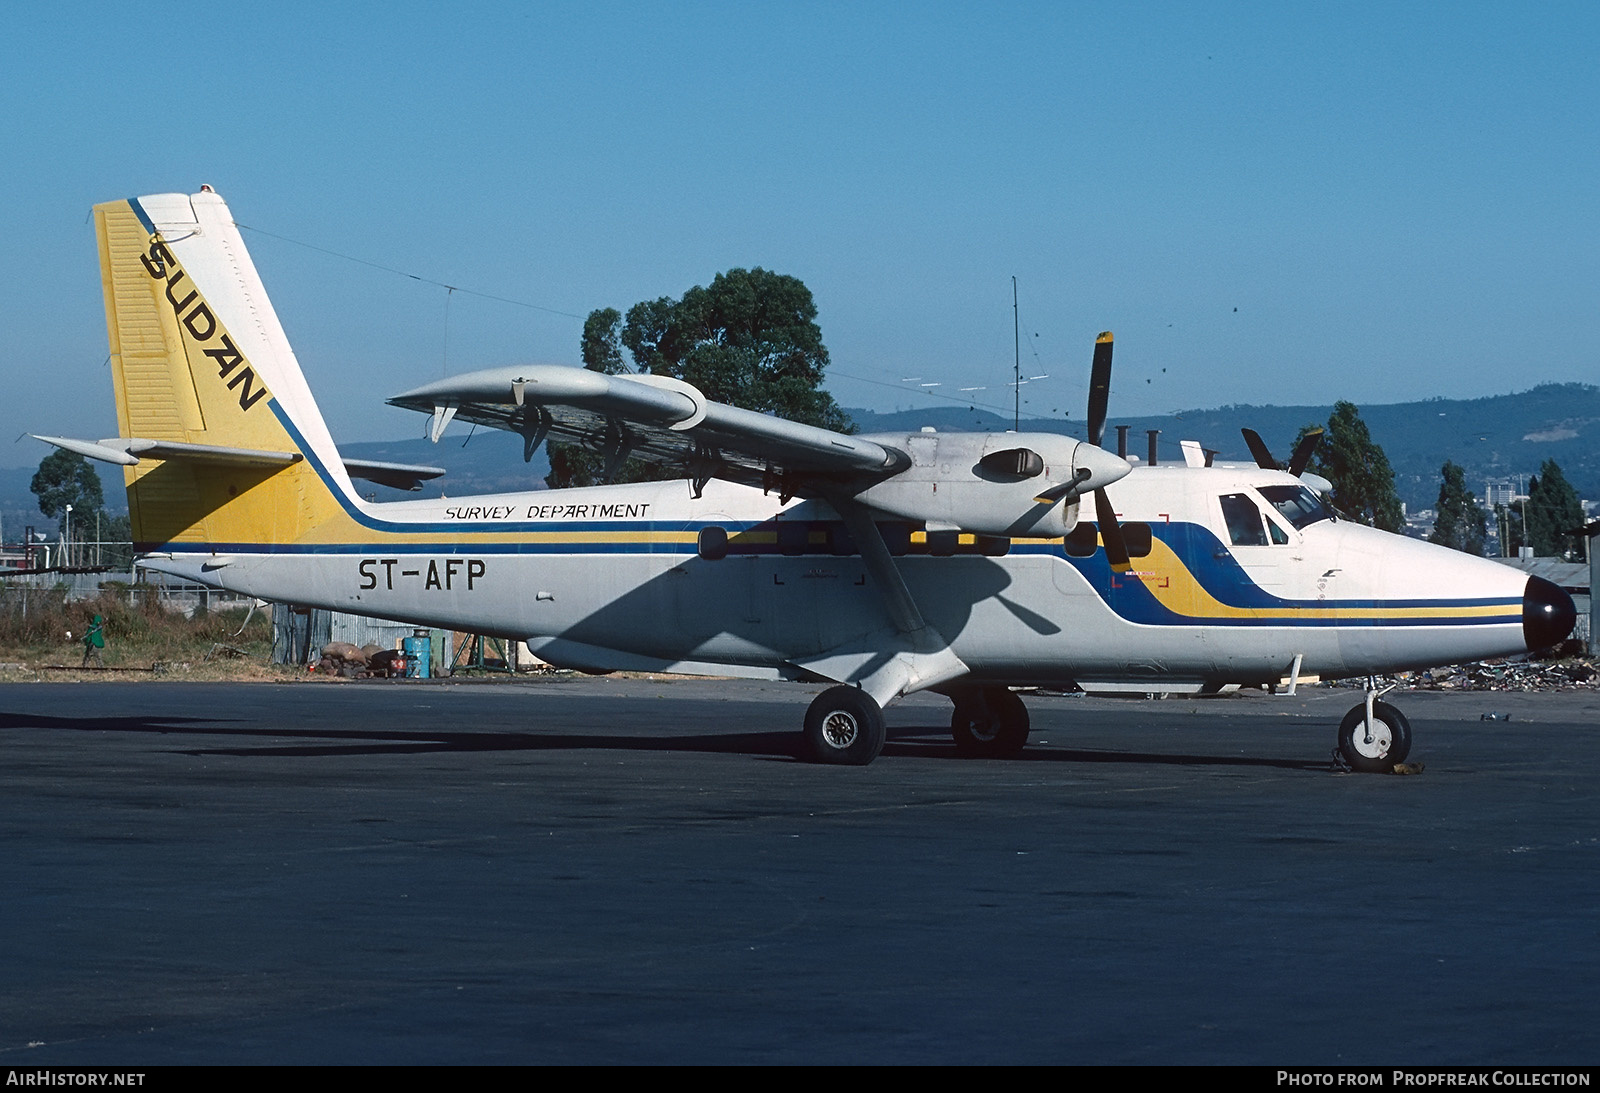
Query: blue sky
[1268, 203]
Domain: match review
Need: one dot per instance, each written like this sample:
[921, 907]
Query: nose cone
[1104, 467]
[1547, 614]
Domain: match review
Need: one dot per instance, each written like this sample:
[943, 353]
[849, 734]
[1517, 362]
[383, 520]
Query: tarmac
[606, 870]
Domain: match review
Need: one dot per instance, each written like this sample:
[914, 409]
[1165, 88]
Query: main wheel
[844, 726]
[1390, 743]
[989, 724]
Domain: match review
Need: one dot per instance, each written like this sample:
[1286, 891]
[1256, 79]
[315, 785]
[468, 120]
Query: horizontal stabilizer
[131, 451]
[400, 476]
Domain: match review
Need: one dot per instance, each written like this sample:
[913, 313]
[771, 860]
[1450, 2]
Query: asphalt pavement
[627, 870]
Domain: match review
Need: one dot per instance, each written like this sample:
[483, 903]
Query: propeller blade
[1065, 489]
[1302, 452]
[1099, 387]
[1258, 448]
[1111, 533]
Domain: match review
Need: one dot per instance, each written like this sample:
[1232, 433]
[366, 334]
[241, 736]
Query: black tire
[1391, 741]
[989, 724]
[844, 727]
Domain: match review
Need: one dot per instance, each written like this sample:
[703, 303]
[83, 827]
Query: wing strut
[903, 610]
[923, 658]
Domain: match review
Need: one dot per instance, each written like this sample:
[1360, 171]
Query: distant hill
[1498, 437]
[479, 461]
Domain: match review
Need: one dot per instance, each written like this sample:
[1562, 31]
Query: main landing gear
[1374, 736]
[844, 726]
[989, 723]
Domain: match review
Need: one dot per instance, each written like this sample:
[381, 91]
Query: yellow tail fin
[198, 357]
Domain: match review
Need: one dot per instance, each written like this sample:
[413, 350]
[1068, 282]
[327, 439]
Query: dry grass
[143, 639]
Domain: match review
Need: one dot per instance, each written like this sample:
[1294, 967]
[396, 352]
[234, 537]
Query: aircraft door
[710, 593]
[1254, 549]
[1361, 576]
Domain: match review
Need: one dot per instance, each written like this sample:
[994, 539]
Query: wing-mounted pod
[1002, 484]
[655, 418]
[1015, 484]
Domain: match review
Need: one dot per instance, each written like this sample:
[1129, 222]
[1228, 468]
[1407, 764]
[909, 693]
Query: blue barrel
[417, 656]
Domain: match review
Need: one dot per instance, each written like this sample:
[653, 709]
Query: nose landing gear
[1374, 736]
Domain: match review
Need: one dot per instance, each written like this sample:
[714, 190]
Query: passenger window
[713, 543]
[840, 541]
[897, 537]
[1137, 537]
[1083, 540]
[1243, 520]
[793, 537]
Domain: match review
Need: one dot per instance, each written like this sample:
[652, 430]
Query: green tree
[749, 339]
[1363, 481]
[572, 464]
[602, 341]
[116, 534]
[1458, 522]
[66, 478]
[1553, 512]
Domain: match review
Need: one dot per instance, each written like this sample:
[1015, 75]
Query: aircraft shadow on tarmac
[927, 742]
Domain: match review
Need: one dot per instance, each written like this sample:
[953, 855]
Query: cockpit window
[1243, 520]
[1296, 504]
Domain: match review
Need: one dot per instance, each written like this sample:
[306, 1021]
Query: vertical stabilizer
[198, 357]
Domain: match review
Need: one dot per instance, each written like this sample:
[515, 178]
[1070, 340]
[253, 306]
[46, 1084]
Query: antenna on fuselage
[1016, 368]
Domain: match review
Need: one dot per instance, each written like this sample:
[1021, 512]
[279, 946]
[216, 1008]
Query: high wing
[1003, 484]
[654, 418]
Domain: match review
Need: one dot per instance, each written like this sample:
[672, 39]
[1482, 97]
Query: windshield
[1296, 504]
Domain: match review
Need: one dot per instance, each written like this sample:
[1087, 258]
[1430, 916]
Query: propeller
[1093, 463]
[1099, 388]
[1099, 398]
[1297, 461]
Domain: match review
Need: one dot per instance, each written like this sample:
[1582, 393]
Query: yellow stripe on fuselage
[1168, 580]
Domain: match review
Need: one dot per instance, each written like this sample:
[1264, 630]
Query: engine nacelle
[992, 483]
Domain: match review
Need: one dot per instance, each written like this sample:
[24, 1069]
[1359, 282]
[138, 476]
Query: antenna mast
[1016, 368]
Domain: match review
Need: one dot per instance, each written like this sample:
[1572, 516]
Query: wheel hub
[839, 729]
[986, 729]
[1377, 745]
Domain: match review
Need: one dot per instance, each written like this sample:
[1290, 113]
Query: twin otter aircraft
[884, 564]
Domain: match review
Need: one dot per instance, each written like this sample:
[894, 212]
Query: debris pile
[340, 658]
[1569, 674]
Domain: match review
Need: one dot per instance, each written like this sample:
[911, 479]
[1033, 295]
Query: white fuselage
[614, 577]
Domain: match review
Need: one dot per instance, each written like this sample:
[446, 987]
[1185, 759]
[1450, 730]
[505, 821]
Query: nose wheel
[1374, 749]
